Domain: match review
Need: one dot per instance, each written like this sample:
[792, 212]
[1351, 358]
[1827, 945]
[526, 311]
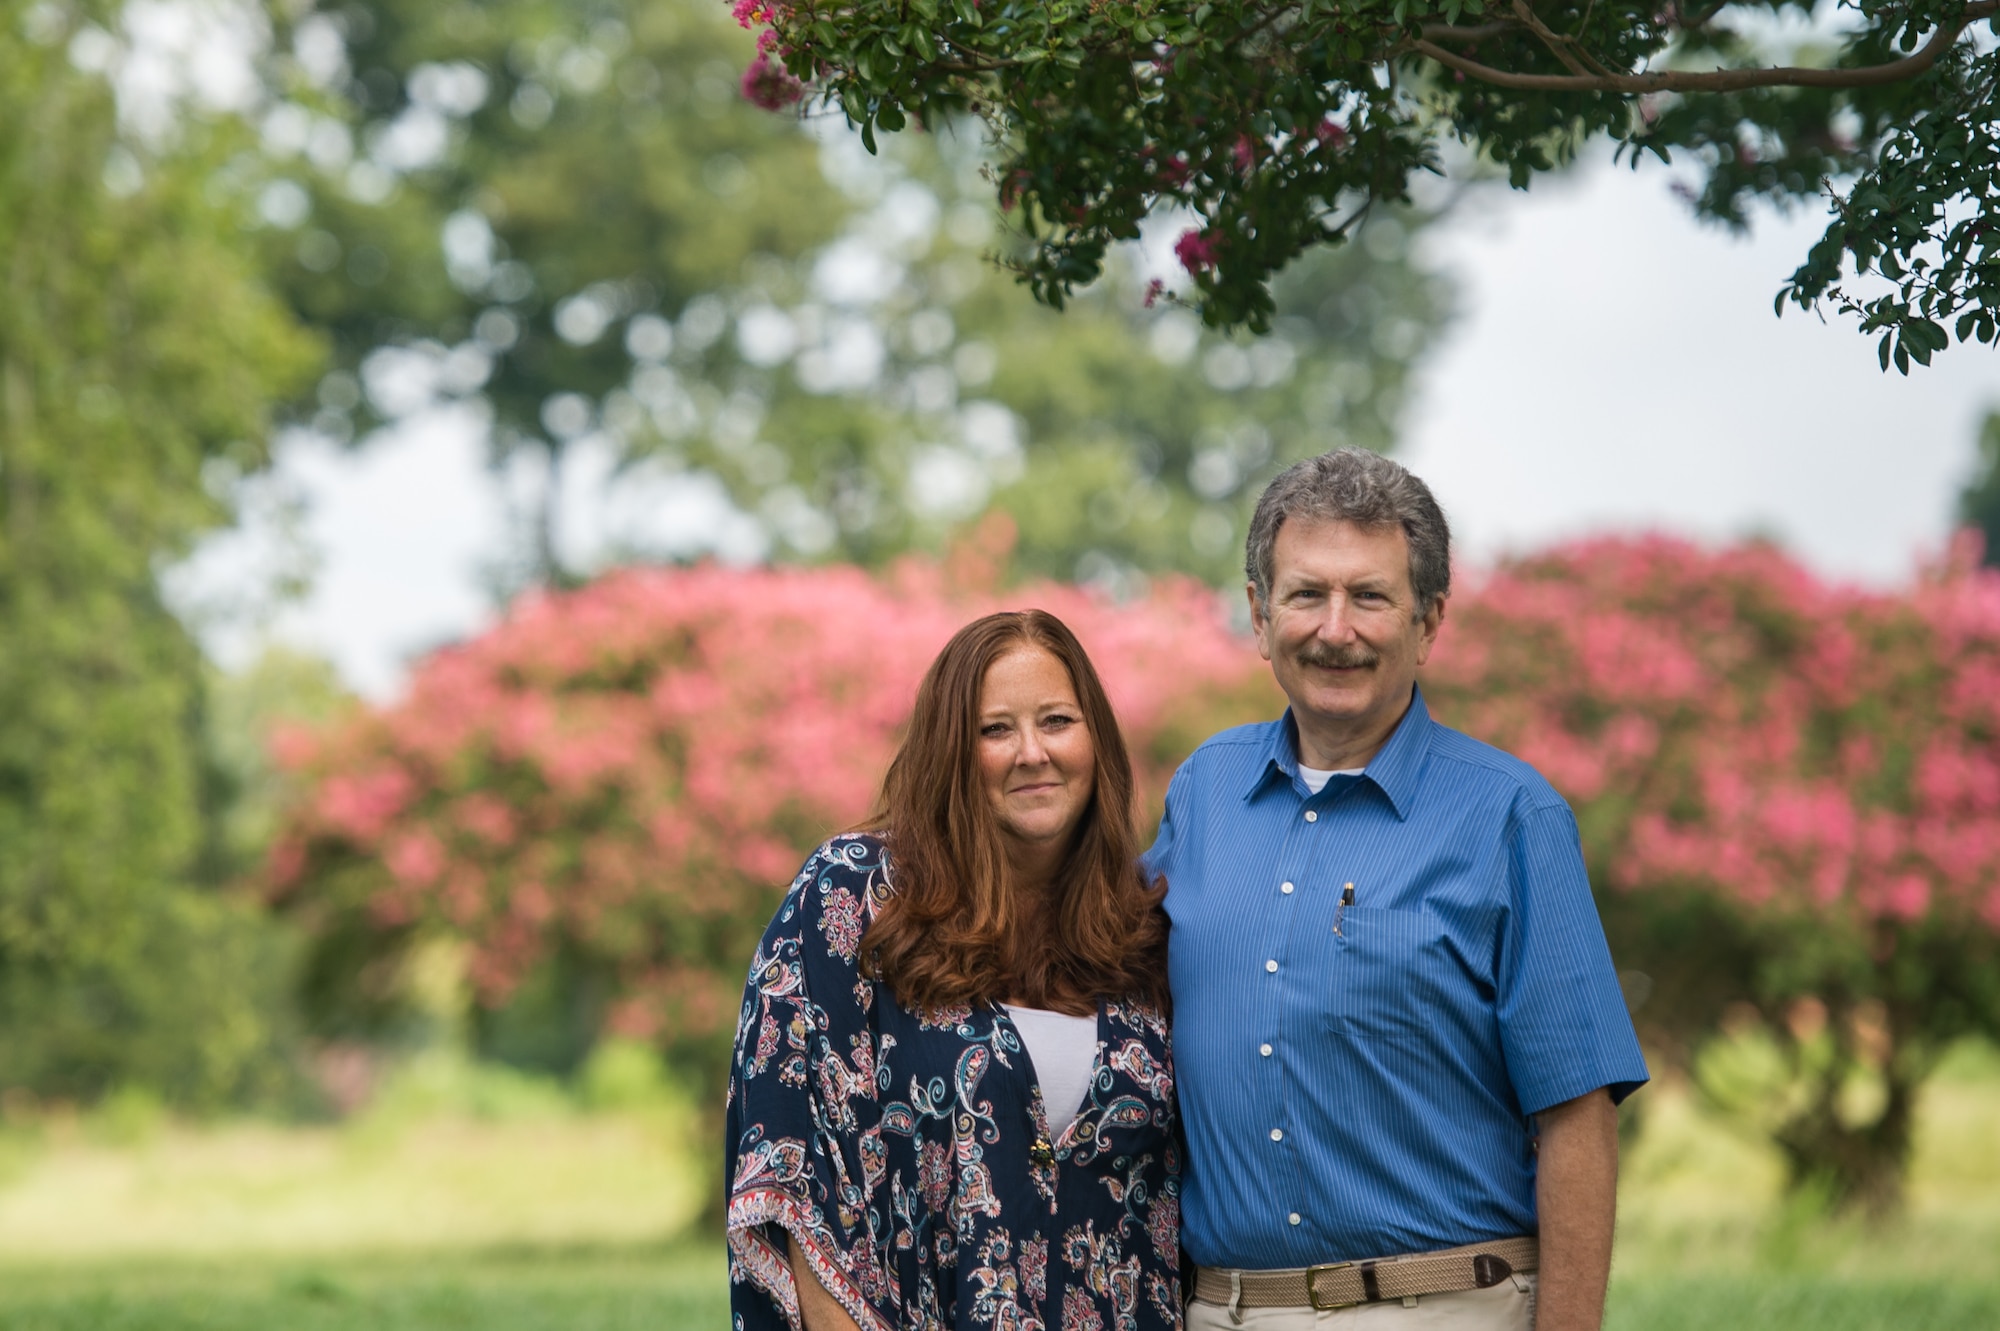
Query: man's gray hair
[1366, 489]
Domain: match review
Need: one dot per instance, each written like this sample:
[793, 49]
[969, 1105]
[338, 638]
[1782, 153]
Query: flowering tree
[1279, 124]
[631, 773]
[1789, 793]
[1790, 797]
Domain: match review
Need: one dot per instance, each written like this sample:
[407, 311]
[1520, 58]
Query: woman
[952, 1104]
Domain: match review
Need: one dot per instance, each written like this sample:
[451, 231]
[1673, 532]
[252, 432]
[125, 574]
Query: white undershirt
[1064, 1051]
[1316, 778]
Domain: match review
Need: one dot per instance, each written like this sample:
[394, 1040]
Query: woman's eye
[995, 730]
[1059, 722]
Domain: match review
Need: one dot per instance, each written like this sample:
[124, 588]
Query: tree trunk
[1859, 1167]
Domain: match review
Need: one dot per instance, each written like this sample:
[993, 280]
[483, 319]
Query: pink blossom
[770, 85]
[416, 858]
[1243, 152]
[1196, 250]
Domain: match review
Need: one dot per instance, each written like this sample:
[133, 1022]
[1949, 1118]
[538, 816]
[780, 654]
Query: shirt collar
[1394, 770]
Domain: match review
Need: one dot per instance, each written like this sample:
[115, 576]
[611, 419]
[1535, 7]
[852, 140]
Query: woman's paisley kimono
[908, 1154]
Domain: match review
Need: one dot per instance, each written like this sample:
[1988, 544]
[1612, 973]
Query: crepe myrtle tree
[1280, 124]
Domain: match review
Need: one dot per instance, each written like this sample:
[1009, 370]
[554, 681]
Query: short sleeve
[1564, 1029]
[803, 1140]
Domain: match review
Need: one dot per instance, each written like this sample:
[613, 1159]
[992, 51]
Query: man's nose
[1337, 624]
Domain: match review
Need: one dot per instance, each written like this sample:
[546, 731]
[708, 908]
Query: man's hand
[819, 1309]
[1576, 1194]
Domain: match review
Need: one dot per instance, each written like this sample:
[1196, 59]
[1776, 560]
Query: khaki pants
[1508, 1306]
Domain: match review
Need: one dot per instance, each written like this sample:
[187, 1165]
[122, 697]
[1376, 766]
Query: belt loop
[1235, 1297]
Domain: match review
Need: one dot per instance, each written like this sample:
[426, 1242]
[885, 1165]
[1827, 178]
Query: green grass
[1801, 1303]
[443, 1210]
[682, 1286]
[638, 1289]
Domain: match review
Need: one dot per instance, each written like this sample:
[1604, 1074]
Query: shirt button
[1277, 1134]
[1286, 888]
[1264, 1049]
[1312, 815]
[1271, 966]
[1293, 1217]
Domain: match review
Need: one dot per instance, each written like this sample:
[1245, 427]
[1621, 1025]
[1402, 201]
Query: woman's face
[1036, 758]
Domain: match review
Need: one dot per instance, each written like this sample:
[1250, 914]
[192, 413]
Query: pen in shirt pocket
[1340, 908]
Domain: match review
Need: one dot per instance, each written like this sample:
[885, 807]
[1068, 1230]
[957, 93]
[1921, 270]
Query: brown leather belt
[1378, 1280]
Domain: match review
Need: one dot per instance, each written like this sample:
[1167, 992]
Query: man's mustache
[1337, 658]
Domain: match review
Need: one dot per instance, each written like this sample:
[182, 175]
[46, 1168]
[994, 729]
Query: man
[1397, 1030]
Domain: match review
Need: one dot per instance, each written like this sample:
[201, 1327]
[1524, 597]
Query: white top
[1064, 1051]
[1316, 778]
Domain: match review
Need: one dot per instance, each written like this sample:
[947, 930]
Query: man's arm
[1576, 1195]
[819, 1309]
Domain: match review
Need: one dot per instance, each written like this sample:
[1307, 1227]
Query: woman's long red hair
[955, 930]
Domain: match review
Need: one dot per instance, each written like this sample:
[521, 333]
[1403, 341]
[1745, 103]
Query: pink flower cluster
[768, 84]
[1197, 251]
[1727, 722]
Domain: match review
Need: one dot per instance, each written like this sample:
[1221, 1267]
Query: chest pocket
[1385, 973]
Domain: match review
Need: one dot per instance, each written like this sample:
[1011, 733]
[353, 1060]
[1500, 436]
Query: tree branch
[1558, 46]
[1718, 80]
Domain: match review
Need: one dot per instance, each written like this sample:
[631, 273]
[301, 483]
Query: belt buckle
[1312, 1288]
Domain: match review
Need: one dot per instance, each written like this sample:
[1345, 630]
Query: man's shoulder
[1236, 749]
[1461, 759]
[1255, 736]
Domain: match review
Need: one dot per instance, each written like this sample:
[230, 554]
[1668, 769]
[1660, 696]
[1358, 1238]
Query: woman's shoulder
[849, 856]
[838, 891]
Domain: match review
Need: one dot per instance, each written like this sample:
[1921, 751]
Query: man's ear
[1427, 633]
[1258, 621]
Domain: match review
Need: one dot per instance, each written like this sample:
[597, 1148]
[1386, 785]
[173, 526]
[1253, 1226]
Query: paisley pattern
[908, 1153]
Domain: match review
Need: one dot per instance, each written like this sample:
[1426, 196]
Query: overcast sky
[1615, 366]
[1619, 366]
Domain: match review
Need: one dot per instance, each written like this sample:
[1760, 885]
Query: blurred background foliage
[142, 355]
[569, 213]
[225, 222]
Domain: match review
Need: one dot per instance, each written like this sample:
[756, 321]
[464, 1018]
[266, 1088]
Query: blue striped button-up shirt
[1358, 1080]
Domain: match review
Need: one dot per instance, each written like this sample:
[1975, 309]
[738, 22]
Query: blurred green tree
[138, 355]
[1979, 504]
[569, 213]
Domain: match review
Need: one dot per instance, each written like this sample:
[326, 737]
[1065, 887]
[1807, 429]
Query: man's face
[1342, 632]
